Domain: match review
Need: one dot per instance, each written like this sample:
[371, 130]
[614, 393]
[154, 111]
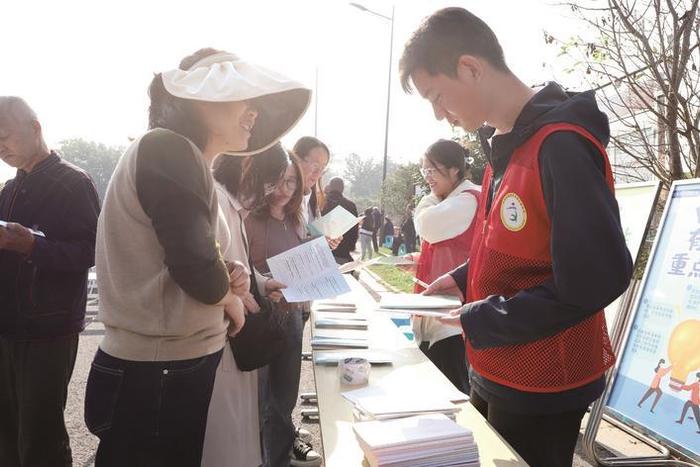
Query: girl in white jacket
[444, 220]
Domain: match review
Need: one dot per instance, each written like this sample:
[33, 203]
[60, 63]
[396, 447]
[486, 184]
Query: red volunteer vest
[511, 252]
[438, 258]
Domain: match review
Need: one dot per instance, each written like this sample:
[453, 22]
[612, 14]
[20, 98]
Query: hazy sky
[85, 65]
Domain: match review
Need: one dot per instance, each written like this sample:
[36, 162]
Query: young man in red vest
[548, 253]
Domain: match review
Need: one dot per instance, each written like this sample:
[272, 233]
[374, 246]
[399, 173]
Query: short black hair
[445, 36]
[450, 154]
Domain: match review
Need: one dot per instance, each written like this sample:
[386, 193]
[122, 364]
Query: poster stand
[597, 412]
[597, 409]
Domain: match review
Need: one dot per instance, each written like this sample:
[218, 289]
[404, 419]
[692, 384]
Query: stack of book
[319, 342]
[339, 323]
[421, 441]
[335, 306]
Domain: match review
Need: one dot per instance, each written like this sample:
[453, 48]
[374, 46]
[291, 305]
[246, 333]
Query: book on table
[406, 302]
[333, 323]
[373, 402]
[331, 342]
[420, 441]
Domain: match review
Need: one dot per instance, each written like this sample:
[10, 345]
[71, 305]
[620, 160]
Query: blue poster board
[657, 380]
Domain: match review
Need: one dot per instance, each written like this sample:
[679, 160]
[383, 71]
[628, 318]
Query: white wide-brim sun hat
[224, 77]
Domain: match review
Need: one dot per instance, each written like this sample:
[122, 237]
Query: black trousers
[541, 440]
[449, 355]
[149, 414]
[34, 377]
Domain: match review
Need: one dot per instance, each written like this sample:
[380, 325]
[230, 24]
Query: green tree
[477, 158]
[403, 186]
[97, 159]
[364, 176]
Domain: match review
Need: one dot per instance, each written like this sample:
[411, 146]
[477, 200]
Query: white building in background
[634, 128]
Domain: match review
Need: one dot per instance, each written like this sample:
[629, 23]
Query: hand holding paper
[444, 284]
[15, 237]
[334, 224]
[309, 271]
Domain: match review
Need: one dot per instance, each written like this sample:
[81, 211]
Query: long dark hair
[260, 163]
[301, 150]
[174, 113]
[449, 154]
[249, 178]
[227, 171]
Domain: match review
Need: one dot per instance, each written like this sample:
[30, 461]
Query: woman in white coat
[444, 221]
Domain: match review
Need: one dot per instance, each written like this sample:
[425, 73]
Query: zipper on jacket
[13, 199]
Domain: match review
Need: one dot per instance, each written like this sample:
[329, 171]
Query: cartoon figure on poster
[693, 402]
[685, 353]
[657, 385]
[654, 387]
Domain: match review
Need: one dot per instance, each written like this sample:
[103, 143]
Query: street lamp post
[388, 92]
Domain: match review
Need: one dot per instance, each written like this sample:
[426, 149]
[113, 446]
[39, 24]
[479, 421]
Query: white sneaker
[303, 455]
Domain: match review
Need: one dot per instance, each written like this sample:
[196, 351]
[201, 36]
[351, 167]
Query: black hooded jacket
[590, 261]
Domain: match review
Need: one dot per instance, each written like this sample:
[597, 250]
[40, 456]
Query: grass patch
[394, 276]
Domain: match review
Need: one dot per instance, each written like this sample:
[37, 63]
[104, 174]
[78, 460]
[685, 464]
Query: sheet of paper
[350, 266]
[320, 314]
[334, 224]
[393, 260]
[427, 313]
[408, 430]
[400, 404]
[309, 271]
[415, 301]
[36, 233]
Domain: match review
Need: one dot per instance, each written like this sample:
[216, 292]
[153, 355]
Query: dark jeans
[279, 388]
[34, 377]
[149, 414]
[450, 356]
[541, 440]
[374, 241]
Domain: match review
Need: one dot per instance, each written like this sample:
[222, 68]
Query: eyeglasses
[289, 183]
[429, 172]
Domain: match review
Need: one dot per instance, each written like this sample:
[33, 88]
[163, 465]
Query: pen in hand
[419, 282]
